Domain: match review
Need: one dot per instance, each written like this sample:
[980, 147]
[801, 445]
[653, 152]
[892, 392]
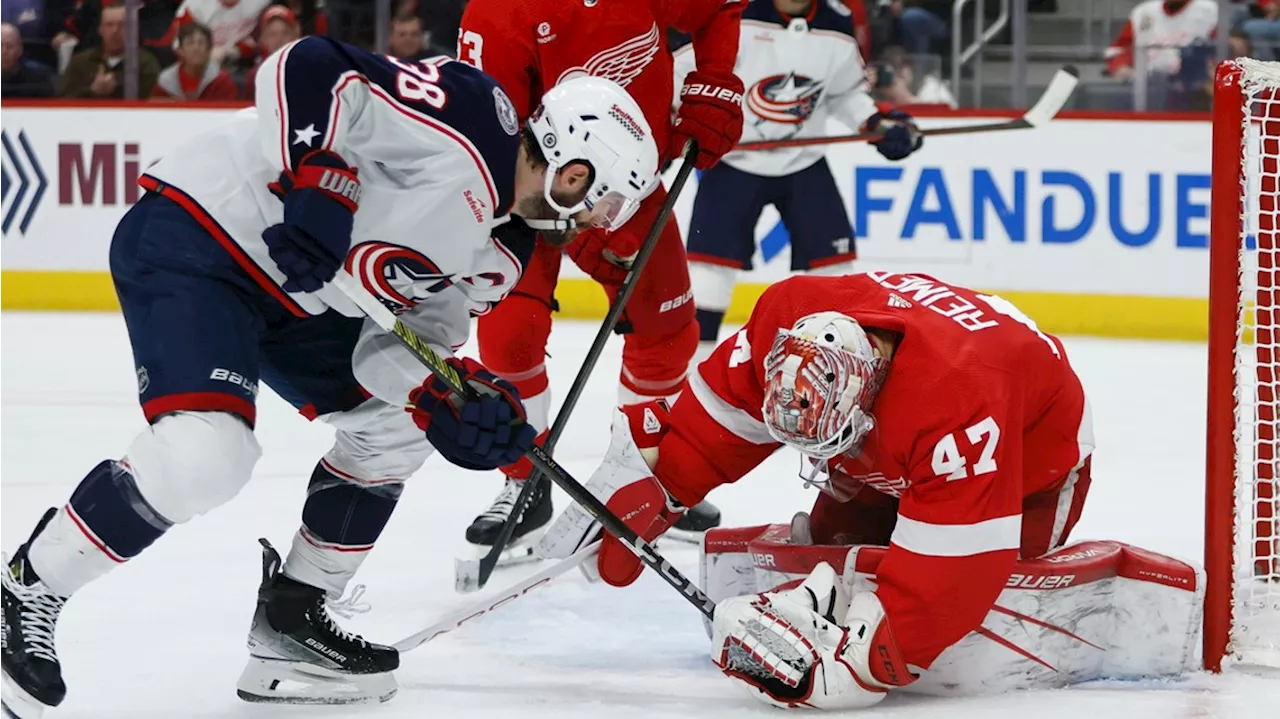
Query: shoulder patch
[507, 116]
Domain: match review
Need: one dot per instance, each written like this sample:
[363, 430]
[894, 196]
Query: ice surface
[164, 635]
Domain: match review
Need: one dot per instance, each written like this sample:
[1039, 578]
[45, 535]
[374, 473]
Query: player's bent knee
[190, 462]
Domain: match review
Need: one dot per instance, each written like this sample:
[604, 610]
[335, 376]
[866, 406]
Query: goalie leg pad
[1091, 610]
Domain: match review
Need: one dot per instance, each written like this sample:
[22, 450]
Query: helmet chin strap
[565, 222]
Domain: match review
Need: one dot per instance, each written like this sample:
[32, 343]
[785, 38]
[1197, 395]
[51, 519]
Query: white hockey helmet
[821, 376]
[594, 121]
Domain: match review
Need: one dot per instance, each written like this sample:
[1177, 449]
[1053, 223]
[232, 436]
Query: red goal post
[1242, 496]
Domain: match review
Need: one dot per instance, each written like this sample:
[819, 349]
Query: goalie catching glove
[811, 646]
[484, 431]
[625, 483]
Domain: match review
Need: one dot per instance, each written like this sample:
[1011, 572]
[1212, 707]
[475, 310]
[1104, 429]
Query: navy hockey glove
[484, 432]
[320, 200]
[901, 136]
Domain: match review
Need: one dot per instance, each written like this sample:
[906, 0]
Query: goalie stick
[472, 574]
[1046, 108]
[542, 461]
[502, 598]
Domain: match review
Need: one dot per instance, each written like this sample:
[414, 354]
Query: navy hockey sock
[339, 511]
[113, 513]
[709, 322]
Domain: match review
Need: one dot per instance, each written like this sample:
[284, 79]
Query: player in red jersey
[939, 421]
[531, 45]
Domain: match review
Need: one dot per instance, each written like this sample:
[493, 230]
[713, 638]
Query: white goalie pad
[1091, 610]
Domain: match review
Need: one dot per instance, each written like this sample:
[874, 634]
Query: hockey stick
[472, 574]
[542, 461]
[1046, 108]
[479, 609]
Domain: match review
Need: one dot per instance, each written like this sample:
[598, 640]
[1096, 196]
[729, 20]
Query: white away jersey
[797, 72]
[435, 144]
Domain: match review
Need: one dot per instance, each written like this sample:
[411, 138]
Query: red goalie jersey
[980, 450]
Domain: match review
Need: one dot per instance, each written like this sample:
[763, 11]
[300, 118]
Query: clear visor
[612, 211]
[607, 210]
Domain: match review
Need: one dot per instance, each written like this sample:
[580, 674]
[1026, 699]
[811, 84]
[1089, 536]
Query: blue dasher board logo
[22, 182]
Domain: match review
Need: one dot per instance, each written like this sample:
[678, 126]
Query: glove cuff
[326, 171]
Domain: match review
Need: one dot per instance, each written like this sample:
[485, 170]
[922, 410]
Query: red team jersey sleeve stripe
[733, 419]
[958, 540]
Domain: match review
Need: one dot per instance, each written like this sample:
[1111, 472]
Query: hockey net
[1242, 510]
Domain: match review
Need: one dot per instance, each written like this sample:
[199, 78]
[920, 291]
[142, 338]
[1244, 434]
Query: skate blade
[278, 681]
[466, 572]
[18, 704]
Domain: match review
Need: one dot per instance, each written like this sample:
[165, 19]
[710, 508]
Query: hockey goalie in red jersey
[529, 46]
[952, 443]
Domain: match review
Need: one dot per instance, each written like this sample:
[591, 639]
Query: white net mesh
[1255, 631]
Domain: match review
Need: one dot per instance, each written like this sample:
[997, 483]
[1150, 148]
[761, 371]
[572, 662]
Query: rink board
[1094, 224]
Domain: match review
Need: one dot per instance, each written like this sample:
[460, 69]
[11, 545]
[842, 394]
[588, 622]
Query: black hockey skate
[32, 674]
[299, 655]
[695, 522]
[484, 531]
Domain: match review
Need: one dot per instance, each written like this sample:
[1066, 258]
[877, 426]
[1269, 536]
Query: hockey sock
[709, 322]
[341, 521]
[343, 512]
[106, 522]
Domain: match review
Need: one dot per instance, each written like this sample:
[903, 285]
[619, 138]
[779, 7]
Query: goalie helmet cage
[1242, 489]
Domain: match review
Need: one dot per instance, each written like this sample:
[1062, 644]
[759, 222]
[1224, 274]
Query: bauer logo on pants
[23, 182]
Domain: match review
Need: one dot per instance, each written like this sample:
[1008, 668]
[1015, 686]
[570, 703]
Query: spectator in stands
[278, 27]
[80, 27]
[893, 81]
[1238, 45]
[1263, 29]
[910, 25]
[194, 77]
[99, 71]
[1161, 28]
[440, 20]
[406, 40]
[36, 22]
[19, 76]
[232, 23]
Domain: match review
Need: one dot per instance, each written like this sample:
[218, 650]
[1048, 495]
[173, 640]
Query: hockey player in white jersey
[404, 173]
[801, 65]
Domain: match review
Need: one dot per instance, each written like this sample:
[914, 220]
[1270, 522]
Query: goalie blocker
[1089, 610]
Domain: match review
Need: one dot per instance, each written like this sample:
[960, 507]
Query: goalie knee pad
[190, 462]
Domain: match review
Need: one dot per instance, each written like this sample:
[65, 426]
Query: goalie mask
[594, 121]
[821, 377]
